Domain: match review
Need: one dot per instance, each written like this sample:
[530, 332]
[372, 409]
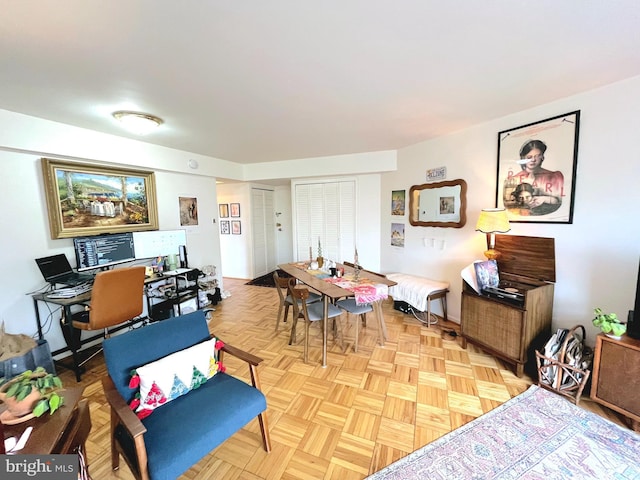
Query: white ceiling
[256, 80]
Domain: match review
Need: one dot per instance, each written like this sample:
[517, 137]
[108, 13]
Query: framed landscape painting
[537, 170]
[84, 199]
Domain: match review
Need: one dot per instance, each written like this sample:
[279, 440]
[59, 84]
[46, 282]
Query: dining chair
[282, 285]
[310, 312]
[350, 306]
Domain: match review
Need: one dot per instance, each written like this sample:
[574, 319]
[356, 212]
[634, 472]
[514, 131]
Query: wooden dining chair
[282, 285]
[350, 306]
[309, 312]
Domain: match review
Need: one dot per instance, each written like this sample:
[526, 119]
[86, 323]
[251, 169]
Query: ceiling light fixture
[136, 122]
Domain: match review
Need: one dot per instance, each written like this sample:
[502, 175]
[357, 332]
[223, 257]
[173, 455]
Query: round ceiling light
[136, 122]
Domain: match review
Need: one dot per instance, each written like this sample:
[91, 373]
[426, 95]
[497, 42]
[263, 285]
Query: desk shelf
[165, 294]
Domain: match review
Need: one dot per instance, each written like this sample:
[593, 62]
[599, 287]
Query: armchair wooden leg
[115, 455]
[264, 429]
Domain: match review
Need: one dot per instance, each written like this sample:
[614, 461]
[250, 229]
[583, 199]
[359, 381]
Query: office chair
[116, 297]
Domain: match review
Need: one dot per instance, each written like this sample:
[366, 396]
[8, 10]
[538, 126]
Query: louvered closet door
[325, 211]
[262, 222]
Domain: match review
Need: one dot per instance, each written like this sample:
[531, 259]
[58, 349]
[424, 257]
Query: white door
[325, 212]
[264, 235]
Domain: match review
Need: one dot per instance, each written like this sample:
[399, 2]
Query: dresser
[509, 329]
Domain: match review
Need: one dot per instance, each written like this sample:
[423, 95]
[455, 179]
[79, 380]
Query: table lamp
[492, 221]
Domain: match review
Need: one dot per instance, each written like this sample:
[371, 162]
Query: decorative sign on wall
[436, 174]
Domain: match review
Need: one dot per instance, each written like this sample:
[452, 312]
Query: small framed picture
[235, 209]
[224, 210]
[397, 202]
[235, 227]
[224, 227]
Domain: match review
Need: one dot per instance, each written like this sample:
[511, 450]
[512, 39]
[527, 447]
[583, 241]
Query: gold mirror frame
[448, 204]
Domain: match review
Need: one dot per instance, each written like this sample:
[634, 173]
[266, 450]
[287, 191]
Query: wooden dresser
[616, 376]
[508, 329]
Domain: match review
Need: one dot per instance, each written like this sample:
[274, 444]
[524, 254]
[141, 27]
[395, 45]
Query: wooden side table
[62, 432]
[616, 376]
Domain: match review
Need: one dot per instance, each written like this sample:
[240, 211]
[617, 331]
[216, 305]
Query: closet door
[325, 211]
[264, 235]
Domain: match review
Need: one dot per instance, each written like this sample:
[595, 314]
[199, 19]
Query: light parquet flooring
[362, 412]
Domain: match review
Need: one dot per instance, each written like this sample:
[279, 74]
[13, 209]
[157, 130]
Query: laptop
[56, 269]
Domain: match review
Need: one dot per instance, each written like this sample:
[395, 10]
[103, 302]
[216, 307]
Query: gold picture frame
[84, 199]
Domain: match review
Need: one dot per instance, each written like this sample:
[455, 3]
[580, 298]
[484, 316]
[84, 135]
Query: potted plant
[609, 323]
[31, 392]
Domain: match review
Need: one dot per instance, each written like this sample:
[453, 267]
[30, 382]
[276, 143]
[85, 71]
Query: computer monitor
[102, 251]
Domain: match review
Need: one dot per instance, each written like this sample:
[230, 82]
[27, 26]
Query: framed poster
[397, 202]
[224, 227]
[537, 170]
[397, 234]
[235, 209]
[223, 208]
[235, 227]
[84, 199]
[188, 210]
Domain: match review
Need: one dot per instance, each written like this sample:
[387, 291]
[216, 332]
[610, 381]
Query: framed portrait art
[235, 227]
[234, 209]
[537, 170]
[397, 202]
[223, 208]
[84, 199]
[188, 210]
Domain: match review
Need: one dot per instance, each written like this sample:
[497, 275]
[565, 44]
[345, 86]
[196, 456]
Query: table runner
[364, 290]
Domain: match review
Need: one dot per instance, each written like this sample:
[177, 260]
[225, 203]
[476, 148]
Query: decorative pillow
[168, 378]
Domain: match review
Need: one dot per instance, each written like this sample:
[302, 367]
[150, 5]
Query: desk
[68, 331]
[62, 432]
[334, 292]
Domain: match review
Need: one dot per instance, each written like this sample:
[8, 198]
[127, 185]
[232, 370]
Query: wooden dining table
[331, 292]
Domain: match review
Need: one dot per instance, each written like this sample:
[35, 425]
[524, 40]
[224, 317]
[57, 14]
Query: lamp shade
[493, 220]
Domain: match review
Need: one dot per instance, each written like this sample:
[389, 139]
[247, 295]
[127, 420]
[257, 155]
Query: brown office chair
[116, 297]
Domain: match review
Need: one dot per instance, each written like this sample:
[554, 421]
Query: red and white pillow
[168, 378]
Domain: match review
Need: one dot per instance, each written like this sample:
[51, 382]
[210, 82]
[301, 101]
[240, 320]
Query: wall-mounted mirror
[439, 204]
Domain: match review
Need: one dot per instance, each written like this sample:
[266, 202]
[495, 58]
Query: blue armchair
[177, 435]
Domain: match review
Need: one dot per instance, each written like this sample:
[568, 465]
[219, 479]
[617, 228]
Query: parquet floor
[362, 412]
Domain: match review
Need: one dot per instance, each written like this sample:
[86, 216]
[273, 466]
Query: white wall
[236, 250]
[24, 218]
[596, 256]
[237, 256]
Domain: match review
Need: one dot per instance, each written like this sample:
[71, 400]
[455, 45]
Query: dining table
[365, 286]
